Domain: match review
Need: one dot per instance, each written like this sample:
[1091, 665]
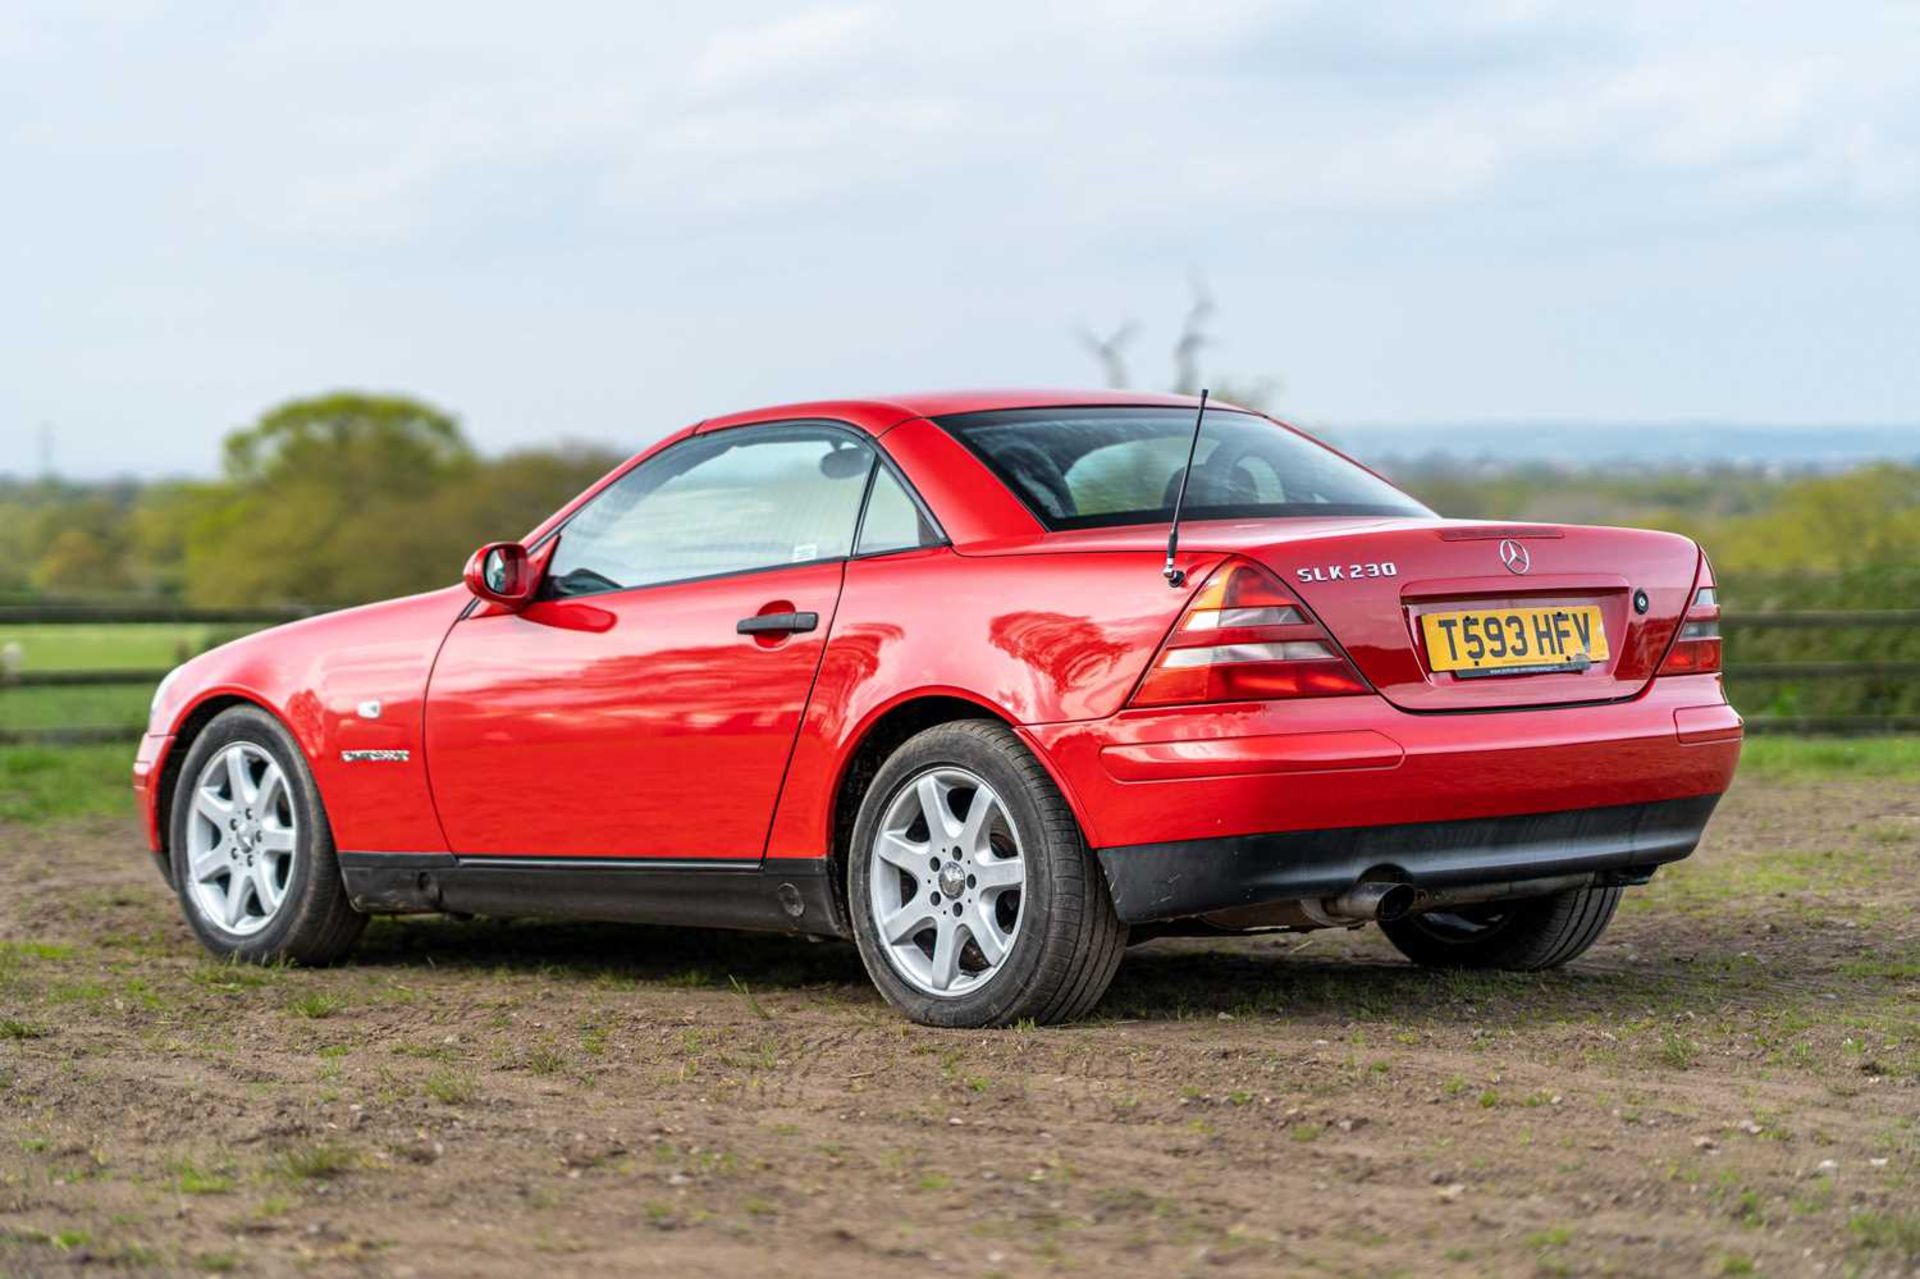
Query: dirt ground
[1726, 1085]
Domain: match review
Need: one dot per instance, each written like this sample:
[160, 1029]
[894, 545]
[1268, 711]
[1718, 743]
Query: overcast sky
[605, 220]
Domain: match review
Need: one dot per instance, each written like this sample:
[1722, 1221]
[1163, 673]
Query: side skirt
[783, 896]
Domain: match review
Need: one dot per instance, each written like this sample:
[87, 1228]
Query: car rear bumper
[1195, 877]
[1304, 781]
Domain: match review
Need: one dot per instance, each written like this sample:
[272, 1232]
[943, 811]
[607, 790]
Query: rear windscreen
[1093, 467]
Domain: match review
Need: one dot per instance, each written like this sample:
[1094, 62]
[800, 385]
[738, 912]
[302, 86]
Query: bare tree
[1193, 336]
[1111, 351]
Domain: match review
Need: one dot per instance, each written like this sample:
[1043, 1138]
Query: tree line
[335, 499]
[347, 497]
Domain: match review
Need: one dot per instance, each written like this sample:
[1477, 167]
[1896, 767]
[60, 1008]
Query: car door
[645, 705]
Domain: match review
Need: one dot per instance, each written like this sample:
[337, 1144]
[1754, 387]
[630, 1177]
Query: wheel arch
[191, 725]
[878, 739]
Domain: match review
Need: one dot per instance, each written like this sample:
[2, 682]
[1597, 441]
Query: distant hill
[1609, 444]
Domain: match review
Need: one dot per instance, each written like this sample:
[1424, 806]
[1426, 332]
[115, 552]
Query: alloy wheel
[948, 879]
[242, 833]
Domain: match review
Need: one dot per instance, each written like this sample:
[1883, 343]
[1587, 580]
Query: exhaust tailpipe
[1373, 900]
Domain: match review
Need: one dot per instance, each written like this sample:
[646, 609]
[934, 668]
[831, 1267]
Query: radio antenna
[1175, 577]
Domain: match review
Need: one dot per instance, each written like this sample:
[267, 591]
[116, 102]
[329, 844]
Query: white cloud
[483, 179]
[809, 42]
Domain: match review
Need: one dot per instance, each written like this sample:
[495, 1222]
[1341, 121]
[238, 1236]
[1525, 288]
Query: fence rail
[1818, 618]
[1732, 622]
[85, 614]
[80, 679]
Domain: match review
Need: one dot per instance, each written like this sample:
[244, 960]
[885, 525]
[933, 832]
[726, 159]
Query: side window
[723, 503]
[893, 522]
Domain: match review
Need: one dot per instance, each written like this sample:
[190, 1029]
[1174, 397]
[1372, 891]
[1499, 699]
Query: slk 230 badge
[1347, 572]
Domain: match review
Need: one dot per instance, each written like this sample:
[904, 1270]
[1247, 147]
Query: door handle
[777, 623]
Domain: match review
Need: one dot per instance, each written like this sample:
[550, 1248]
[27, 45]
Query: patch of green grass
[315, 1004]
[1748, 1210]
[1798, 876]
[1677, 1051]
[51, 783]
[13, 1028]
[1822, 758]
[1904, 967]
[36, 950]
[191, 1179]
[450, 1087]
[1553, 1237]
[322, 1161]
[232, 977]
[1897, 1232]
[747, 996]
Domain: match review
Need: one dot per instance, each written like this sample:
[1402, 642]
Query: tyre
[1523, 936]
[252, 853]
[974, 898]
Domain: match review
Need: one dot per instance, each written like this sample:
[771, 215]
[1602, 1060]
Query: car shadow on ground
[1168, 980]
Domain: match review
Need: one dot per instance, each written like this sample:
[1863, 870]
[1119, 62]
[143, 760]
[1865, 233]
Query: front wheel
[1521, 936]
[252, 853]
[975, 901]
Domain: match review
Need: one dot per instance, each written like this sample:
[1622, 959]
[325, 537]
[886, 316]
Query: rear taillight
[1245, 639]
[1696, 650]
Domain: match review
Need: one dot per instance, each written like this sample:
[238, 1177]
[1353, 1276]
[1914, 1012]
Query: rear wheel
[975, 901]
[1540, 932]
[252, 853]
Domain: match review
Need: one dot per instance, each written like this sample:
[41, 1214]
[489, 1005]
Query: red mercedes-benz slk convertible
[913, 671]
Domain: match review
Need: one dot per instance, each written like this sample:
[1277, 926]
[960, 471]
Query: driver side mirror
[503, 573]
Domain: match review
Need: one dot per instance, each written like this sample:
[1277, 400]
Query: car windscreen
[1096, 467]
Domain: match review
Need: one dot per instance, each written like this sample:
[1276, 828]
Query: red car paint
[638, 724]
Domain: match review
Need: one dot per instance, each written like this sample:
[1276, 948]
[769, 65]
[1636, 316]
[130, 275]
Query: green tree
[315, 488]
[78, 562]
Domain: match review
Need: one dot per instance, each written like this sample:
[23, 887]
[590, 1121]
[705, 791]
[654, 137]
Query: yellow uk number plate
[1515, 641]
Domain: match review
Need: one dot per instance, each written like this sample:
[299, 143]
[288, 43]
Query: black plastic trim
[785, 896]
[1193, 877]
[777, 624]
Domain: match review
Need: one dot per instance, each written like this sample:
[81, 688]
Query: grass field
[48, 783]
[120, 646]
[1813, 757]
[133, 647]
[1728, 1084]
